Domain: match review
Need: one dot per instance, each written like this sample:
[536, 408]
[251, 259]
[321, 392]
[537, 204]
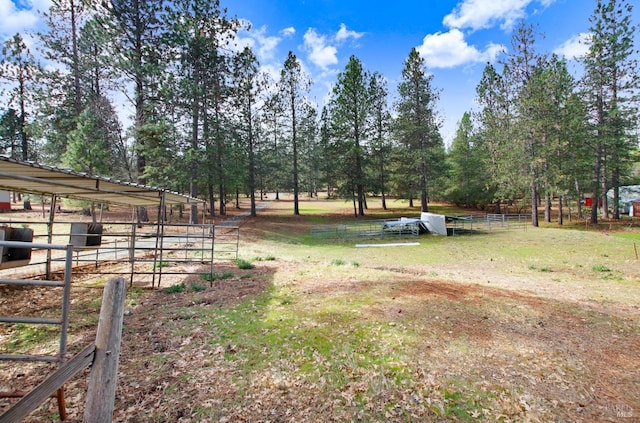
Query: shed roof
[35, 178]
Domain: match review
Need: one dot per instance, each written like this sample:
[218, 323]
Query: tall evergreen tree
[327, 167]
[380, 137]
[611, 80]
[310, 150]
[65, 19]
[416, 125]
[249, 86]
[273, 150]
[10, 137]
[294, 85]
[521, 64]
[136, 28]
[19, 70]
[467, 185]
[350, 107]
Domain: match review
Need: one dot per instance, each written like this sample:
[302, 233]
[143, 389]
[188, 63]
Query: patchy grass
[175, 289]
[244, 264]
[600, 268]
[523, 325]
[227, 274]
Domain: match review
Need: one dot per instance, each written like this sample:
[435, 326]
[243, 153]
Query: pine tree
[380, 139]
[294, 85]
[416, 126]
[610, 81]
[197, 30]
[10, 136]
[467, 177]
[20, 71]
[249, 86]
[350, 107]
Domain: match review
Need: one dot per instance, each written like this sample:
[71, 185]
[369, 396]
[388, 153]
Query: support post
[52, 212]
[101, 390]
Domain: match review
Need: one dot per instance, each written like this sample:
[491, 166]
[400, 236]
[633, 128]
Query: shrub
[174, 289]
[600, 268]
[197, 287]
[243, 264]
[210, 277]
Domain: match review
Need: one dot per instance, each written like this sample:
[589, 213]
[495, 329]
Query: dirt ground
[577, 366]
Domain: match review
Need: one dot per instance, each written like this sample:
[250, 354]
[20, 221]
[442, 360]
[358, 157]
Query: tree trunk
[212, 200]
[534, 204]
[142, 214]
[616, 193]
[560, 217]
[596, 183]
[579, 192]
[355, 209]
[423, 185]
[221, 198]
[296, 209]
[605, 199]
[547, 207]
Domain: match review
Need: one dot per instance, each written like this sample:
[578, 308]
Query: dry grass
[537, 325]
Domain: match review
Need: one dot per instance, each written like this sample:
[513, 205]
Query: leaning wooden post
[101, 392]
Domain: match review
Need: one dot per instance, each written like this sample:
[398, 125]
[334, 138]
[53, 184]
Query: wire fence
[145, 251]
[368, 228]
[407, 227]
[479, 223]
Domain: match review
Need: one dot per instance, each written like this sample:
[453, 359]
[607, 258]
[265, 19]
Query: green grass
[210, 277]
[197, 287]
[378, 334]
[244, 264]
[600, 268]
[175, 289]
[160, 265]
[266, 258]
[23, 337]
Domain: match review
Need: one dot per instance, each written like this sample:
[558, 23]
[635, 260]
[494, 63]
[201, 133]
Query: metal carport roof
[35, 178]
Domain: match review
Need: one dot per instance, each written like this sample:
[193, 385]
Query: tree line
[207, 121]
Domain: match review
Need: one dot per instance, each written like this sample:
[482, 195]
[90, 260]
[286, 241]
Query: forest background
[210, 122]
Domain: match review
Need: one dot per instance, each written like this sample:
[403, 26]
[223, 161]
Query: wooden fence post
[101, 391]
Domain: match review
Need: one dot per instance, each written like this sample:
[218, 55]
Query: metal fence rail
[456, 225]
[62, 320]
[487, 223]
[145, 249]
[367, 228]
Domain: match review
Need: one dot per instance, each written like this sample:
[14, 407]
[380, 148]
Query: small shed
[628, 195]
[34, 178]
[5, 200]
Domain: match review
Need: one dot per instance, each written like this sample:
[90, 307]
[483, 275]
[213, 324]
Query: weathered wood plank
[101, 390]
[50, 385]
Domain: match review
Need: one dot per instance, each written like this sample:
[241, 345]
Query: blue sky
[456, 37]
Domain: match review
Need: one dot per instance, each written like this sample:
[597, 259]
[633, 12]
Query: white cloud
[449, 49]
[266, 44]
[575, 47]
[481, 14]
[288, 32]
[320, 53]
[344, 34]
[14, 20]
[263, 45]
